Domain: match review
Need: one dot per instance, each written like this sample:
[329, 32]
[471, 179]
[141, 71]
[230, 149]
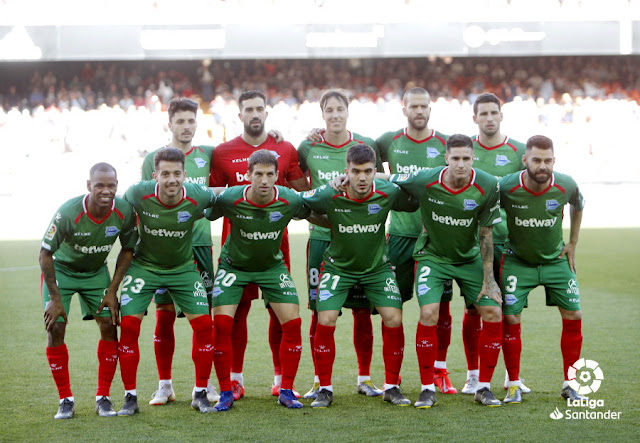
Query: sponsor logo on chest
[408, 169]
[451, 221]
[358, 228]
[536, 222]
[92, 249]
[328, 175]
[197, 180]
[164, 232]
[257, 235]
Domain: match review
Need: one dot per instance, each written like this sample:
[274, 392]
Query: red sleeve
[217, 176]
[293, 171]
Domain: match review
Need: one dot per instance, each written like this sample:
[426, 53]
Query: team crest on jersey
[373, 208]
[183, 216]
[110, 231]
[552, 204]
[432, 153]
[469, 204]
[275, 154]
[501, 160]
[51, 232]
[275, 216]
[200, 162]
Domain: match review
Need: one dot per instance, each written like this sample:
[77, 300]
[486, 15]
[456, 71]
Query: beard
[418, 125]
[539, 177]
[254, 131]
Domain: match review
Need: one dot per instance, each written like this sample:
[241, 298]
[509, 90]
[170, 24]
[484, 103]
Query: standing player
[323, 161]
[73, 259]
[459, 206]
[498, 155]
[408, 150]
[183, 124]
[535, 254]
[259, 214]
[356, 256]
[167, 209]
[229, 168]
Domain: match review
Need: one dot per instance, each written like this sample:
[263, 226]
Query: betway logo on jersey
[242, 177]
[328, 175]
[536, 222]
[408, 169]
[92, 249]
[273, 235]
[164, 232]
[197, 180]
[448, 220]
[359, 229]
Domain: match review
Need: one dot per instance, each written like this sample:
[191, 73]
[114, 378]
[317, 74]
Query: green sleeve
[384, 142]
[316, 199]
[57, 232]
[147, 167]
[303, 153]
[129, 233]
[216, 211]
[575, 198]
[489, 215]
[404, 202]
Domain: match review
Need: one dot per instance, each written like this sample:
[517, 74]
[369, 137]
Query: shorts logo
[110, 231]
[161, 291]
[275, 216]
[217, 291]
[432, 153]
[205, 278]
[469, 204]
[313, 293]
[286, 282]
[510, 299]
[125, 299]
[572, 287]
[501, 160]
[200, 162]
[325, 295]
[585, 376]
[183, 216]
[552, 204]
[51, 232]
[198, 289]
[373, 208]
[392, 287]
[423, 289]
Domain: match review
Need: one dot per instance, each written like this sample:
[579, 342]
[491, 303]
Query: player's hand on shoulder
[339, 183]
[315, 135]
[277, 135]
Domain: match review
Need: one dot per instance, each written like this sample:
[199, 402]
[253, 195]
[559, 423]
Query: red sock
[290, 351]
[202, 349]
[239, 335]
[325, 349]
[275, 339]
[128, 352]
[489, 344]
[363, 339]
[392, 353]
[164, 342]
[570, 343]
[427, 349]
[511, 349]
[222, 325]
[444, 331]
[107, 364]
[58, 358]
[470, 333]
[312, 337]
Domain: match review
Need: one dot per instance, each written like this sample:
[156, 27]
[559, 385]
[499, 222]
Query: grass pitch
[608, 274]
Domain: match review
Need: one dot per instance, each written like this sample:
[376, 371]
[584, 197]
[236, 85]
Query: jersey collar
[276, 197]
[337, 146]
[93, 219]
[472, 182]
[184, 197]
[552, 183]
[490, 148]
[406, 134]
[356, 200]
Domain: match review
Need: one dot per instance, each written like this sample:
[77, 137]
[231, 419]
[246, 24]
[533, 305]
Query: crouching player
[73, 259]
[535, 254]
[259, 214]
[356, 255]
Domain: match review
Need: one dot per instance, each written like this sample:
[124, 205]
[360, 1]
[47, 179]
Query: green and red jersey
[253, 243]
[534, 219]
[499, 161]
[451, 218]
[80, 242]
[324, 162]
[357, 226]
[166, 232]
[197, 165]
[404, 156]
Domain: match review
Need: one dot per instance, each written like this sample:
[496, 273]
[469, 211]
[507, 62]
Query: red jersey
[229, 162]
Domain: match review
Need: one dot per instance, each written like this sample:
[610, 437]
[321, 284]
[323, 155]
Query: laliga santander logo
[585, 376]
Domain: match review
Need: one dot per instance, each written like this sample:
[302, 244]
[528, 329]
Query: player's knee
[570, 315]
[512, 319]
[429, 314]
[491, 313]
[55, 337]
[327, 318]
[108, 331]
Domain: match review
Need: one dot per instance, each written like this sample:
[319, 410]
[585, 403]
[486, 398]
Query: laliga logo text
[585, 377]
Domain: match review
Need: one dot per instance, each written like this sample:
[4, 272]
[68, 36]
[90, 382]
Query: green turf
[609, 279]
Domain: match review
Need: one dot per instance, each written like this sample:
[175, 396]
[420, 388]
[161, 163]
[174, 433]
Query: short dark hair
[182, 104]
[360, 154]
[168, 155]
[339, 94]
[248, 95]
[262, 157]
[486, 97]
[417, 91]
[102, 167]
[459, 141]
[540, 142]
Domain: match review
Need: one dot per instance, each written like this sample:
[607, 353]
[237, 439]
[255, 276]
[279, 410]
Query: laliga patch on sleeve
[51, 232]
